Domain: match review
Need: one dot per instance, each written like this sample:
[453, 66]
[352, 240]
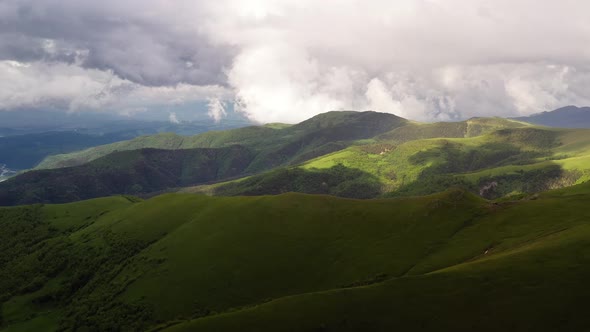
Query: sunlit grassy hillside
[507, 161]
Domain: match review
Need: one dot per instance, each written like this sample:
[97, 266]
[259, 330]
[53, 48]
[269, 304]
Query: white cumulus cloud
[287, 60]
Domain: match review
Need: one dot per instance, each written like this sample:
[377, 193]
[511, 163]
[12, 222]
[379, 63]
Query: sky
[287, 60]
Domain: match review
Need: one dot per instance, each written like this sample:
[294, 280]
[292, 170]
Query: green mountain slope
[510, 158]
[126, 172]
[298, 263]
[278, 145]
[347, 154]
[125, 168]
[506, 161]
[337, 181]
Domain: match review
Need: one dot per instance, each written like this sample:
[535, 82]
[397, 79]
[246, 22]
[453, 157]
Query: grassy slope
[337, 181]
[495, 156]
[176, 257]
[532, 278]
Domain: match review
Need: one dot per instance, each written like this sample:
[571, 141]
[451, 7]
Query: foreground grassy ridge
[533, 281]
[296, 262]
[540, 289]
[170, 241]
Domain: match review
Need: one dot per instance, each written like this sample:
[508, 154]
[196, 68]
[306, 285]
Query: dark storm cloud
[287, 60]
[145, 42]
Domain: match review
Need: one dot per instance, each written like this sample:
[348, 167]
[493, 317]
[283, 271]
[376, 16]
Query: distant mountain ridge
[565, 117]
[347, 154]
[368, 137]
[126, 172]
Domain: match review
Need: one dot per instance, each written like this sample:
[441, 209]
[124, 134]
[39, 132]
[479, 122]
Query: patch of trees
[493, 187]
[82, 273]
[126, 172]
[533, 181]
[455, 159]
[338, 180]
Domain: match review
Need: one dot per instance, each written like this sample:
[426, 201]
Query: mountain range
[346, 154]
[565, 117]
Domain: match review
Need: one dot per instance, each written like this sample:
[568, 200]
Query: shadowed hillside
[450, 261]
[126, 172]
[336, 181]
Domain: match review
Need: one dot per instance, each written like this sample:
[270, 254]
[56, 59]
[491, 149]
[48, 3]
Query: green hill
[293, 262]
[505, 161]
[126, 168]
[346, 154]
[126, 172]
[277, 144]
[380, 153]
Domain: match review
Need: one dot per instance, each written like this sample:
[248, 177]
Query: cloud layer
[287, 60]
